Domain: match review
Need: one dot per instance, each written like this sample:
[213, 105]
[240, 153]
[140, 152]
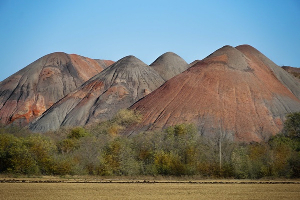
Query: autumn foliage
[177, 151]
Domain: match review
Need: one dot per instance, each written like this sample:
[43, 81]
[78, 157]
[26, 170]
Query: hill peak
[169, 65]
[129, 61]
[130, 58]
[229, 55]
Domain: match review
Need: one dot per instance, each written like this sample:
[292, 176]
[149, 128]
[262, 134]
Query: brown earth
[137, 191]
[236, 93]
[28, 93]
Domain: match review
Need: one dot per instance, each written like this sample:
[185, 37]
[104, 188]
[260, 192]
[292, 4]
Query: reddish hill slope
[28, 93]
[285, 78]
[236, 92]
[117, 87]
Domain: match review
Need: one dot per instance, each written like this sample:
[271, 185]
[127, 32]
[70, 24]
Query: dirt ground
[57, 188]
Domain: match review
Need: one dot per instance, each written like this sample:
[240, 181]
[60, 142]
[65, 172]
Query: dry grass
[35, 191]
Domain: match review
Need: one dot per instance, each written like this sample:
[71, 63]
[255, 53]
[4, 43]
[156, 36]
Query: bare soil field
[36, 189]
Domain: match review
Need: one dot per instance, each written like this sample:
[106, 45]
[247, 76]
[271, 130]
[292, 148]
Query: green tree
[295, 165]
[241, 162]
[292, 125]
[68, 145]
[42, 150]
[260, 159]
[282, 150]
[110, 159]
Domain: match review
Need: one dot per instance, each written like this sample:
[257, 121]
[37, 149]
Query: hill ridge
[169, 65]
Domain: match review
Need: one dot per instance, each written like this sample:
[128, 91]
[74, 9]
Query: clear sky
[112, 29]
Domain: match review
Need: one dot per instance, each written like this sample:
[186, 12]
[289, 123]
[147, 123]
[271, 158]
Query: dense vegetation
[178, 150]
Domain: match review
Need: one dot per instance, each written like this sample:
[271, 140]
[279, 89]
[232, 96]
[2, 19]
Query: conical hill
[235, 92]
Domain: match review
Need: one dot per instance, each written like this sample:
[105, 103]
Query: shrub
[181, 129]
[63, 165]
[122, 120]
[77, 132]
[168, 164]
[127, 117]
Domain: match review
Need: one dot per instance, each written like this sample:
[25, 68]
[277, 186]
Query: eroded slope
[234, 92]
[117, 87]
[28, 93]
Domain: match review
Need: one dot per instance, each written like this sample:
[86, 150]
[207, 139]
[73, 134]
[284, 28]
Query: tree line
[176, 151]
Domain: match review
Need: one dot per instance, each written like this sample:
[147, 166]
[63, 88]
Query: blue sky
[30, 29]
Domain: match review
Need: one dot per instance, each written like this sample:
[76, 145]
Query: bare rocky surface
[169, 65]
[116, 87]
[292, 70]
[285, 78]
[236, 93]
[28, 93]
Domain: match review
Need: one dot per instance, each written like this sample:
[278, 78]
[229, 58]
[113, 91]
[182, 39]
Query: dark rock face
[116, 87]
[169, 65]
[235, 92]
[28, 93]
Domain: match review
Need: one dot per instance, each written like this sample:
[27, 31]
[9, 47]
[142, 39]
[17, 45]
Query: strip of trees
[177, 151]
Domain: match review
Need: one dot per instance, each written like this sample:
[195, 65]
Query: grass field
[35, 191]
